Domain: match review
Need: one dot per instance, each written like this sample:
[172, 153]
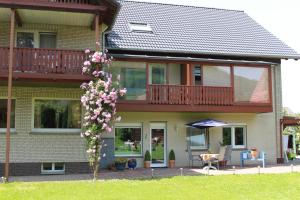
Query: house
[178, 63]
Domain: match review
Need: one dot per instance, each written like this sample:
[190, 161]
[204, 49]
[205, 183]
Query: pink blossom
[123, 92]
[87, 51]
[87, 63]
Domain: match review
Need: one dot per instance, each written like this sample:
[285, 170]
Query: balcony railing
[67, 1]
[43, 61]
[189, 95]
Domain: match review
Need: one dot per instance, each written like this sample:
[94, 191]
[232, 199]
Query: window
[53, 168]
[158, 73]
[3, 113]
[128, 140]
[218, 76]
[57, 114]
[25, 39]
[198, 138]
[48, 40]
[251, 84]
[197, 75]
[235, 136]
[132, 77]
[140, 28]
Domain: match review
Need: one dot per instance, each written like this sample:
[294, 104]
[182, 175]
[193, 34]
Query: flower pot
[132, 164]
[171, 163]
[254, 154]
[120, 166]
[147, 164]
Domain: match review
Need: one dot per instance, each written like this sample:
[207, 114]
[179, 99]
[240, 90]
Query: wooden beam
[97, 32]
[55, 6]
[9, 91]
[18, 19]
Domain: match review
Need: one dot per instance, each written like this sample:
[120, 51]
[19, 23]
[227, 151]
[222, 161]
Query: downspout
[277, 125]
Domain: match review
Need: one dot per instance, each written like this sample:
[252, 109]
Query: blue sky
[282, 18]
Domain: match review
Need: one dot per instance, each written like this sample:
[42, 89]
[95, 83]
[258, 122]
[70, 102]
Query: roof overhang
[229, 54]
[191, 59]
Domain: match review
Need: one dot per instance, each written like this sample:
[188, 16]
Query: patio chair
[194, 157]
[225, 155]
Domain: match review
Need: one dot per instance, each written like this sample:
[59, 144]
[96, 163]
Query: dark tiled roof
[195, 30]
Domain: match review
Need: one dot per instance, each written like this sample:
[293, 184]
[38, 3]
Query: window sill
[128, 156]
[41, 131]
[239, 149]
[12, 131]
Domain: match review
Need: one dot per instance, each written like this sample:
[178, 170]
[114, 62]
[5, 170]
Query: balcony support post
[97, 32]
[9, 91]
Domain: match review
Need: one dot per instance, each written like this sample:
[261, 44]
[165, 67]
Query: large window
[25, 39]
[128, 140]
[48, 40]
[218, 76]
[132, 77]
[235, 136]
[198, 138]
[57, 114]
[251, 84]
[157, 73]
[3, 113]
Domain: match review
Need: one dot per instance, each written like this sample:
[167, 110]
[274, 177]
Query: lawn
[283, 186]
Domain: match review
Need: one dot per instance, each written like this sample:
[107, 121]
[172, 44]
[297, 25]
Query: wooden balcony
[189, 95]
[31, 63]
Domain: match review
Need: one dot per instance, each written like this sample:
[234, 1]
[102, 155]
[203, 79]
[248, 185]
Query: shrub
[121, 160]
[147, 156]
[172, 155]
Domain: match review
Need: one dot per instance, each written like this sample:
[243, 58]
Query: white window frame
[54, 130]
[137, 27]
[52, 171]
[129, 125]
[233, 135]
[12, 130]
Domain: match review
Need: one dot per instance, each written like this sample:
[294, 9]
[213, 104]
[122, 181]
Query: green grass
[273, 187]
[244, 187]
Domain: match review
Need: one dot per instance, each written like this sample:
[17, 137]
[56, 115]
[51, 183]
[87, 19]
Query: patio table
[209, 158]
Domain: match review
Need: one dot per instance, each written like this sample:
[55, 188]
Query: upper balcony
[43, 64]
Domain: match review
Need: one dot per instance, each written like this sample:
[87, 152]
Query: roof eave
[295, 57]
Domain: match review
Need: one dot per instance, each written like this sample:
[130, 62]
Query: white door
[158, 144]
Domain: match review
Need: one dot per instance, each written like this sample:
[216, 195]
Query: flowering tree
[99, 100]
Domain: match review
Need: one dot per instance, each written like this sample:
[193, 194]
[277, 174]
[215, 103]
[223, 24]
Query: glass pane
[59, 166]
[3, 113]
[132, 77]
[227, 136]
[57, 114]
[216, 76]
[128, 141]
[25, 40]
[158, 73]
[239, 136]
[47, 166]
[251, 84]
[158, 146]
[198, 138]
[48, 40]
[197, 75]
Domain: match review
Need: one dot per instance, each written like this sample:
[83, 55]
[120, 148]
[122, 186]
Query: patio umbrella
[206, 123]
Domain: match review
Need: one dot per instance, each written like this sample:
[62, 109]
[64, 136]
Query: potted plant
[172, 159]
[120, 164]
[254, 152]
[131, 163]
[147, 159]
